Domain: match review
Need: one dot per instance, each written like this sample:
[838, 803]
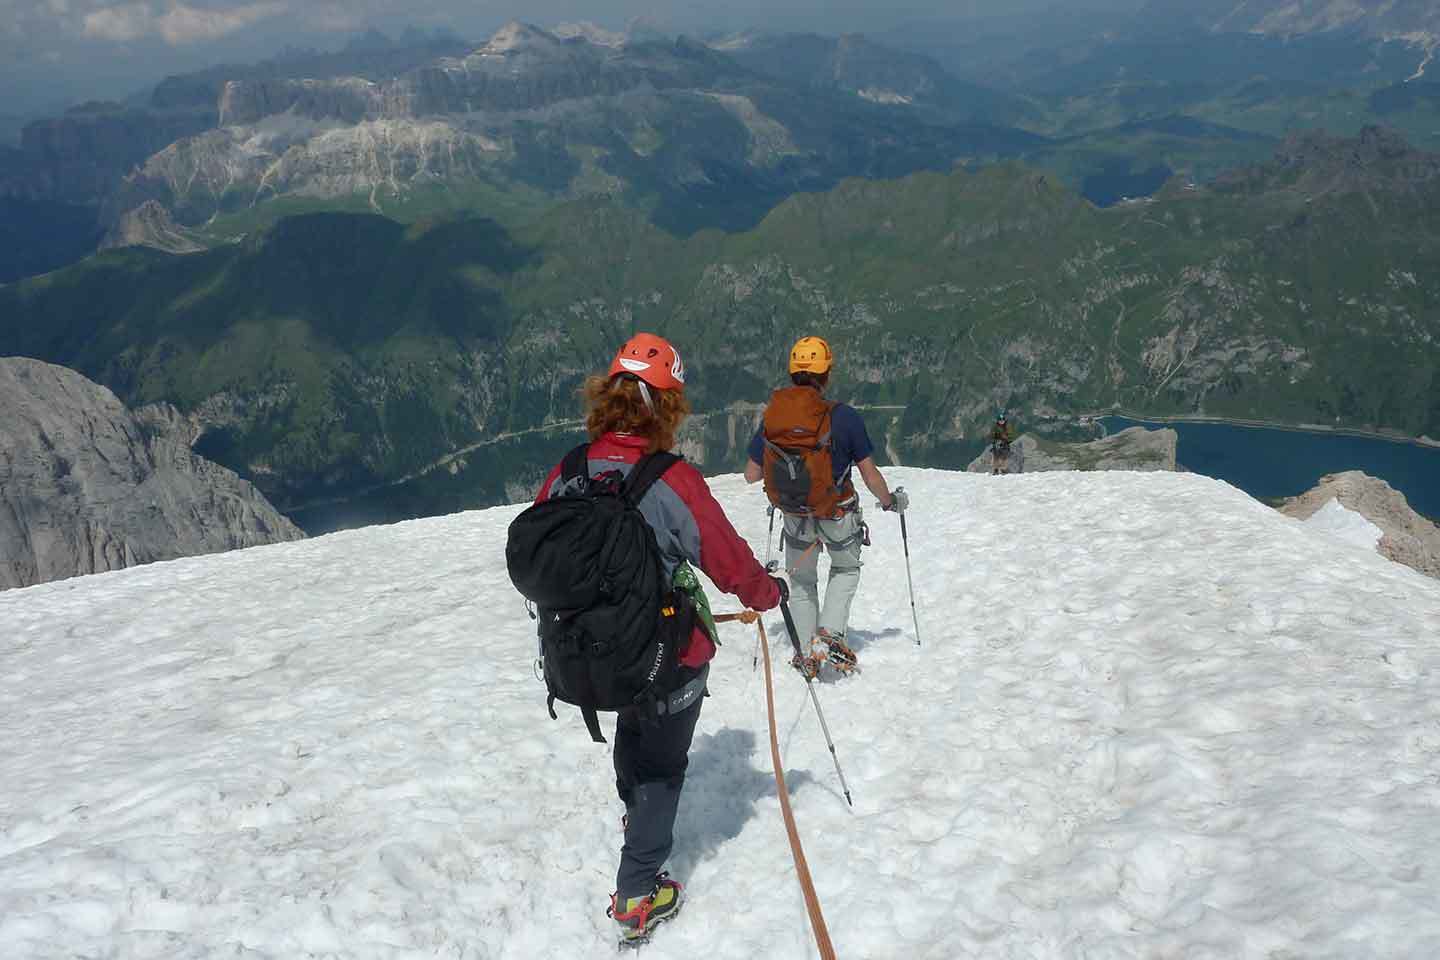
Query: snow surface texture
[1151, 718]
[1340, 521]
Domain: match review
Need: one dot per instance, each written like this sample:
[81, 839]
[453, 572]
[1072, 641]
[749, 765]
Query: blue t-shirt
[849, 441]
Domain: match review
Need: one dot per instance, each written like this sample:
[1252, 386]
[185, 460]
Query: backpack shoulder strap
[575, 466]
[645, 472]
[827, 425]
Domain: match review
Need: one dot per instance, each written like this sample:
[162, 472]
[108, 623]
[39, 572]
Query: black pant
[651, 755]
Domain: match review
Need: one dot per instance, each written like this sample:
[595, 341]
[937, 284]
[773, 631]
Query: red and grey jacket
[689, 525]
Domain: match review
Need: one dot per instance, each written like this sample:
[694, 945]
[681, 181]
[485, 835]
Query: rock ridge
[1135, 448]
[88, 486]
[1408, 537]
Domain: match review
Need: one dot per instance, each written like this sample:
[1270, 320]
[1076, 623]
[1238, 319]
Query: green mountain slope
[337, 354]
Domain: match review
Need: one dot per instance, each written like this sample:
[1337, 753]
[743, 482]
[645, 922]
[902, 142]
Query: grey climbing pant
[805, 538]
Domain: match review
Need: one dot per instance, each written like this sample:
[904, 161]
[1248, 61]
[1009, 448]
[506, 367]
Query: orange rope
[812, 902]
[801, 558]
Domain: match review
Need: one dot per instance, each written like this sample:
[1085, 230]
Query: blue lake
[1275, 462]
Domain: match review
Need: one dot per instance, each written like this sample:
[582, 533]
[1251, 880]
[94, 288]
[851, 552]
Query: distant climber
[1002, 435]
[804, 452]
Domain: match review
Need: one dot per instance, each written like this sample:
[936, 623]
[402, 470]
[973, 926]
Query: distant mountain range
[695, 135]
[691, 135]
[337, 357]
[1297, 18]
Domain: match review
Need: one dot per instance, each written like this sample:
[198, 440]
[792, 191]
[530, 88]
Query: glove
[899, 501]
[784, 589]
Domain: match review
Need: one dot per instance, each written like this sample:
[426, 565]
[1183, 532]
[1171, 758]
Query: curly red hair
[615, 405]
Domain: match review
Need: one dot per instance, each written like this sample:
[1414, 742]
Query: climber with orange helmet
[804, 451]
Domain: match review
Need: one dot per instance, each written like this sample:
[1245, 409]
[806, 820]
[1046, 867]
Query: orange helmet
[651, 359]
[811, 355]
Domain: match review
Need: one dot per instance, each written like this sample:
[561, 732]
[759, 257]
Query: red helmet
[651, 359]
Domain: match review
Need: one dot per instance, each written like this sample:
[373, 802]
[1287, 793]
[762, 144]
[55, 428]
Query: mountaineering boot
[637, 916]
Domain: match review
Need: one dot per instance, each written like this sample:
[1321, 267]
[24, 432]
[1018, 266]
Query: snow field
[1151, 718]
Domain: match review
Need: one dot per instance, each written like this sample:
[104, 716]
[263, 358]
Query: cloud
[176, 23]
[120, 24]
[182, 24]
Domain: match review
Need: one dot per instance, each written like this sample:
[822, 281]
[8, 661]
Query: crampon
[641, 915]
[825, 648]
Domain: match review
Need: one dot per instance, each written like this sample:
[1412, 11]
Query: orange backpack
[799, 473]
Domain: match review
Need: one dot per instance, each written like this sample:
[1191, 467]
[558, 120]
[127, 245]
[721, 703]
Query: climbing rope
[802, 869]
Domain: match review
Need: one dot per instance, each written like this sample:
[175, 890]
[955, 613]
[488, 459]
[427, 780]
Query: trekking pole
[809, 685]
[905, 542]
[770, 533]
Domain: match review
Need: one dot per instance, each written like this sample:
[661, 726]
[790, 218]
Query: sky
[1150, 717]
[56, 52]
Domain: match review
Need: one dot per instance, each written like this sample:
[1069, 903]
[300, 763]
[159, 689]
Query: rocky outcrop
[1408, 538]
[345, 99]
[150, 225]
[86, 486]
[199, 176]
[1134, 449]
[1314, 164]
[590, 33]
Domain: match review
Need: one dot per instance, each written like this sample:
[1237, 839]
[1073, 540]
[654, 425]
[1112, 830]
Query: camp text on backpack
[611, 626]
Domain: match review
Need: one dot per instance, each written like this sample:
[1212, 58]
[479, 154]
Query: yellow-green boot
[637, 916]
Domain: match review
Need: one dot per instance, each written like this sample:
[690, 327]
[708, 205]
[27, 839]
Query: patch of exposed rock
[1314, 163]
[1133, 449]
[150, 225]
[1408, 537]
[520, 68]
[87, 486]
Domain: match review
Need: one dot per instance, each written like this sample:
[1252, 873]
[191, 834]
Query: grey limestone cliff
[87, 486]
[1408, 537]
[1134, 449]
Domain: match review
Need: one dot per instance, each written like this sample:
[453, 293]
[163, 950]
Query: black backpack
[611, 625]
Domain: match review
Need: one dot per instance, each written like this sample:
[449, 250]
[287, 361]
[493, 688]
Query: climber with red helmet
[632, 414]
